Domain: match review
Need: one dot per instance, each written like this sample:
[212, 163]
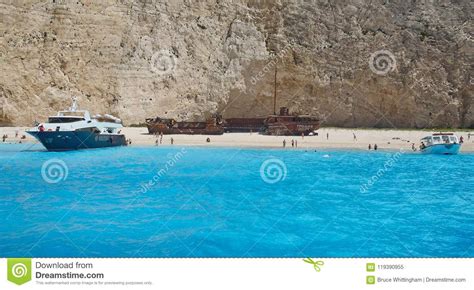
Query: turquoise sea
[231, 202]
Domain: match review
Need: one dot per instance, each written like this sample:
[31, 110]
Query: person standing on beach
[172, 141]
[161, 137]
[413, 147]
[355, 137]
[375, 147]
[156, 142]
[296, 143]
[327, 136]
[370, 146]
[292, 143]
[461, 140]
[284, 143]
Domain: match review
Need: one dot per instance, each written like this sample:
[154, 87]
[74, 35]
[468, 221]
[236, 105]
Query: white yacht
[76, 129]
[440, 143]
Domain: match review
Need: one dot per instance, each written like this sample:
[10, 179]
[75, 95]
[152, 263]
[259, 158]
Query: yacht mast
[73, 108]
[275, 91]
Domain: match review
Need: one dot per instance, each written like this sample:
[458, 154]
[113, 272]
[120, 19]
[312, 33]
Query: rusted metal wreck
[282, 124]
[212, 126]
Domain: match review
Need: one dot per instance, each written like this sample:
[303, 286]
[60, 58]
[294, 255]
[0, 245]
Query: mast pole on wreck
[275, 91]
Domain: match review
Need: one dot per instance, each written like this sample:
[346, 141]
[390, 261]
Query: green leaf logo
[19, 270]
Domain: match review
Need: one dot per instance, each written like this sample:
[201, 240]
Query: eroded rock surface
[188, 59]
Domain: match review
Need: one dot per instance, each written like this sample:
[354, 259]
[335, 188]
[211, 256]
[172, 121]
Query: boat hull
[442, 149]
[74, 140]
[190, 130]
[244, 125]
[290, 128]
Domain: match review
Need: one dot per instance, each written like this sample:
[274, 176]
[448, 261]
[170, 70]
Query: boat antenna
[73, 108]
[275, 91]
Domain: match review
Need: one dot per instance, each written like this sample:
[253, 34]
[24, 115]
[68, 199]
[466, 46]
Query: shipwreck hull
[244, 125]
[290, 129]
[190, 128]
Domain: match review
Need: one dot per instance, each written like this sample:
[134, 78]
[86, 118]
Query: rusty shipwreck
[212, 126]
[281, 124]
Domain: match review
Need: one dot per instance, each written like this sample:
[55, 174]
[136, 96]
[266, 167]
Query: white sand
[338, 138]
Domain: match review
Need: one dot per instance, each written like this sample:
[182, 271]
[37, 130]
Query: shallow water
[220, 202]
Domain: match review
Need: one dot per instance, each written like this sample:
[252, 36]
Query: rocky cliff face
[354, 63]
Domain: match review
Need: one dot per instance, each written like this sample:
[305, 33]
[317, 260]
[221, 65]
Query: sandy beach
[337, 138]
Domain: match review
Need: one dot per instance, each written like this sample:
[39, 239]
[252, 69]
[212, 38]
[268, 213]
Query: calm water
[192, 202]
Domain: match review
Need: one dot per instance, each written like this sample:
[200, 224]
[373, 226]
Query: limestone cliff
[376, 63]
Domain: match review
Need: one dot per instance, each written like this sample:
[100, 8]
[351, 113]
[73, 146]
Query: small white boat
[440, 143]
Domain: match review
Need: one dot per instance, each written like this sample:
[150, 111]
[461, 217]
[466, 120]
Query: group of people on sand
[354, 136]
[375, 147]
[159, 139]
[294, 143]
[5, 137]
